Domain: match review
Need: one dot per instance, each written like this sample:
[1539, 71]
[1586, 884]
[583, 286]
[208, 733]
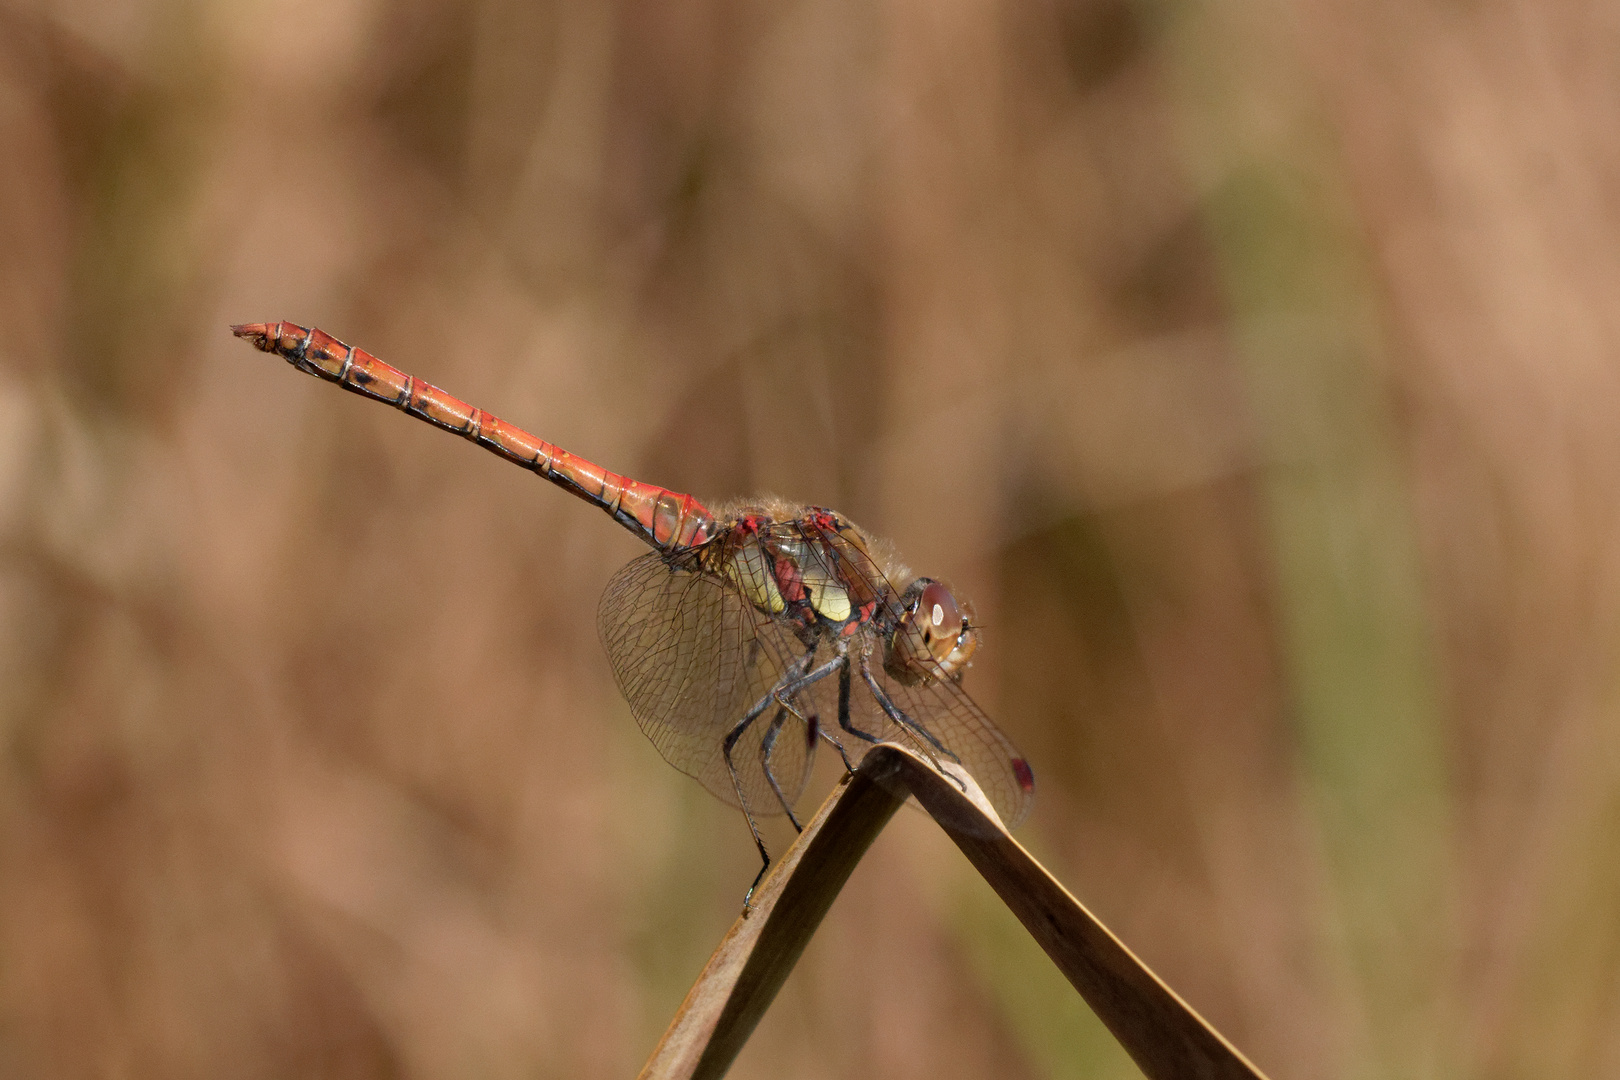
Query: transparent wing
[691, 657]
[943, 709]
[938, 706]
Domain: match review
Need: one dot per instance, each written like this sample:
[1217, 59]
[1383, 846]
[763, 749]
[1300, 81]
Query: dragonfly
[752, 632]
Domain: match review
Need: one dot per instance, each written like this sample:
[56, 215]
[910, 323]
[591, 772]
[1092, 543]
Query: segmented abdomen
[666, 519]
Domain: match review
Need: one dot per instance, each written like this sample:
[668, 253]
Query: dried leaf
[1162, 1033]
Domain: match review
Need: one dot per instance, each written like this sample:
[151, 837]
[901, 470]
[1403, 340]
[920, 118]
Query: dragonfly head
[935, 637]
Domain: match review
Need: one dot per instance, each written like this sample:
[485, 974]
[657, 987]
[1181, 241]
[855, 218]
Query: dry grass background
[1252, 365]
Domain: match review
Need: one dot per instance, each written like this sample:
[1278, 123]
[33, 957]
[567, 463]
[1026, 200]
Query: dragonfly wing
[943, 709]
[691, 657]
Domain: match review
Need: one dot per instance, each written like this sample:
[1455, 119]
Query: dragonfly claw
[748, 897]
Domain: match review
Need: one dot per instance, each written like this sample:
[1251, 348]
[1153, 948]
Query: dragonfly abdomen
[668, 520]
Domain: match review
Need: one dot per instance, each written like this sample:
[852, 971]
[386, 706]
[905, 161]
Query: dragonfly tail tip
[257, 332]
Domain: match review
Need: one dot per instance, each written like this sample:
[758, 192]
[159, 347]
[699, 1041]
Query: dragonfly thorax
[817, 570]
[814, 569]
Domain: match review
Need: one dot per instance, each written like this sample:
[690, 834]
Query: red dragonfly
[746, 625]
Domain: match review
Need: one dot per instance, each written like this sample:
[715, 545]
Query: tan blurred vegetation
[1252, 365]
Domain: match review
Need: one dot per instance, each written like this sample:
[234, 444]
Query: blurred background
[1253, 365]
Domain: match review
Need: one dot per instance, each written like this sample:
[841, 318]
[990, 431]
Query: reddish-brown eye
[933, 639]
[938, 619]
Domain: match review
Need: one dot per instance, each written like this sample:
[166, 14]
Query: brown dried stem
[1162, 1033]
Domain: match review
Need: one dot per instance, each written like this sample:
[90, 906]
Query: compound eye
[934, 637]
[938, 620]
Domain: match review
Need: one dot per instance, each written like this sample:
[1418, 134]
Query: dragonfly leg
[783, 690]
[764, 865]
[726, 746]
[844, 720]
[787, 689]
[742, 801]
[843, 716]
[768, 744]
[907, 725]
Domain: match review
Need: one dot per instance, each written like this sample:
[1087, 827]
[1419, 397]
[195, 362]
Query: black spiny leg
[766, 745]
[748, 815]
[843, 716]
[783, 690]
[907, 725]
[844, 720]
